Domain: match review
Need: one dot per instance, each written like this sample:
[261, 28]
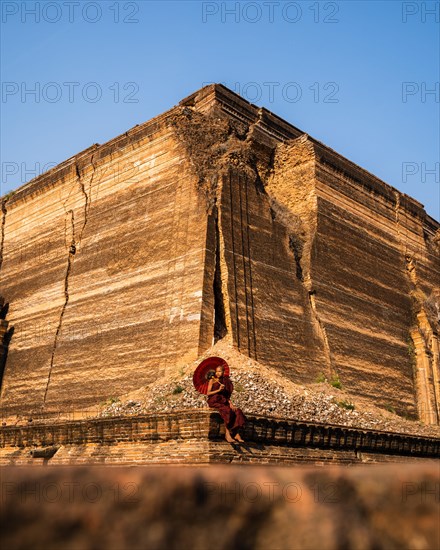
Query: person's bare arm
[212, 392]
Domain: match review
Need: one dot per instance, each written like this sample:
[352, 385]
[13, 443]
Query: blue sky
[355, 75]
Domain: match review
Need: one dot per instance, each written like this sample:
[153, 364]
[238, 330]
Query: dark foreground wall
[224, 507]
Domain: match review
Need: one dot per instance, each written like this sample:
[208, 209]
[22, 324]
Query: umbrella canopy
[205, 371]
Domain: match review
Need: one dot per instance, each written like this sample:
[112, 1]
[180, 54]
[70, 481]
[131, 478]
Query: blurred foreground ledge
[197, 437]
[222, 507]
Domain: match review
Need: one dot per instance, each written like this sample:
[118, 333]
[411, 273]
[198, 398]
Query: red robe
[220, 401]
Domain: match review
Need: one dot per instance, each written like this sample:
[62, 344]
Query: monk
[219, 392]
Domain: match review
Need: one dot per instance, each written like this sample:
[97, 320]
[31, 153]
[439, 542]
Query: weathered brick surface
[128, 302]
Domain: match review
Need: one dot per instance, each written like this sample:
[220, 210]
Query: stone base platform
[196, 437]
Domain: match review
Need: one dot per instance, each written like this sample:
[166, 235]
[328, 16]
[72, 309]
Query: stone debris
[259, 390]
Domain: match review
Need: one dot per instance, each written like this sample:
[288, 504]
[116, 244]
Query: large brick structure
[216, 220]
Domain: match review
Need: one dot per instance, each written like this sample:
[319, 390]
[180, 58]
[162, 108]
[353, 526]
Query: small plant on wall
[335, 382]
[345, 405]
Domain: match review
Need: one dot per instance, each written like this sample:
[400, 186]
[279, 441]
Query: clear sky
[363, 77]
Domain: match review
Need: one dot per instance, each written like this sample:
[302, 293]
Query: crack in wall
[5, 338]
[223, 267]
[4, 348]
[321, 330]
[220, 327]
[72, 249]
[87, 197]
[3, 229]
[215, 144]
[291, 192]
[71, 254]
[296, 246]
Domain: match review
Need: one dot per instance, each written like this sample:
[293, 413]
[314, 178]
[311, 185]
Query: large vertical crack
[291, 191]
[5, 334]
[220, 328]
[4, 349]
[71, 254]
[72, 249]
[3, 228]
[214, 143]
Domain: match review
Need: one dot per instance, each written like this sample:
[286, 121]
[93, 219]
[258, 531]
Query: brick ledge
[204, 425]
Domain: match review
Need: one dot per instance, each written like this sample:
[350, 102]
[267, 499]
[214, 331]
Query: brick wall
[196, 437]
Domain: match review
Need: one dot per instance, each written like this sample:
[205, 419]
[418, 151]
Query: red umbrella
[206, 370]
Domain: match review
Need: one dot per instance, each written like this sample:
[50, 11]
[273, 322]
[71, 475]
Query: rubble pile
[259, 390]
